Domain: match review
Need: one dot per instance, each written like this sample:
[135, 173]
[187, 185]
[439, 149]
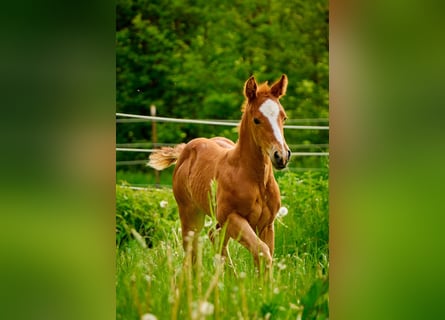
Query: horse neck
[250, 155]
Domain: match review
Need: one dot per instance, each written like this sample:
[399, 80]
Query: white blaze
[271, 111]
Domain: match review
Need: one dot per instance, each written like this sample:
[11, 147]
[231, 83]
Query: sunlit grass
[155, 281]
[159, 281]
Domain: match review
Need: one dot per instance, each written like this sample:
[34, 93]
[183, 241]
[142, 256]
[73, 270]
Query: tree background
[191, 60]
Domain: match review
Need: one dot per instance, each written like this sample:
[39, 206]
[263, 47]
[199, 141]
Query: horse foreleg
[239, 229]
[268, 236]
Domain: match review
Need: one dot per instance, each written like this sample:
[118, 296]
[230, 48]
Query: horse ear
[250, 88]
[279, 88]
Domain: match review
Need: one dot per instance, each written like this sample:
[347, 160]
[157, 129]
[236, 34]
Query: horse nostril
[288, 154]
[276, 155]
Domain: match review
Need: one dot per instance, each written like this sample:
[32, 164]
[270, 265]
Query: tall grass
[156, 279]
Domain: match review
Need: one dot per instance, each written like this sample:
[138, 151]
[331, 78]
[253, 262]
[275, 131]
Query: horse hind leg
[192, 222]
[219, 238]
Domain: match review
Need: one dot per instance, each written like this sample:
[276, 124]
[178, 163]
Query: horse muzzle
[280, 159]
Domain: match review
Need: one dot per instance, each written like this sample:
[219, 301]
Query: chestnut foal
[247, 197]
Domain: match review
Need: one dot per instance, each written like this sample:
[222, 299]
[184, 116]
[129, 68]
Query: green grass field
[151, 278]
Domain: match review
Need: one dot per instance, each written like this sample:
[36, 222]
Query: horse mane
[263, 88]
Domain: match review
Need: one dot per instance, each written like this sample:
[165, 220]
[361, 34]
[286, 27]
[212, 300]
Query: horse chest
[254, 198]
[257, 205]
[264, 210]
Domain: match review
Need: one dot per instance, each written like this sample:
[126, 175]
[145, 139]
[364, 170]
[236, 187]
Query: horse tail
[165, 157]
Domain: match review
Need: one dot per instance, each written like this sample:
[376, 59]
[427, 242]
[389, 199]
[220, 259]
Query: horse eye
[285, 118]
[256, 121]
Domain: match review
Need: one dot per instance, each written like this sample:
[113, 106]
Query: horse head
[265, 117]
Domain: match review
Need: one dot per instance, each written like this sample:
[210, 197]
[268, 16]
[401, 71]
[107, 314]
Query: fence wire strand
[209, 122]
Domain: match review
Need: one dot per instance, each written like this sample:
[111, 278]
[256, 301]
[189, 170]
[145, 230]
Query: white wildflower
[282, 212]
[218, 260]
[148, 316]
[281, 266]
[242, 275]
[206, 308]
[163, 204]
[208, 222]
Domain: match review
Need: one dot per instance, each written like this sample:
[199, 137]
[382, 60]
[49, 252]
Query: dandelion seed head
[282, 212]
[281, 266]
[218, 259]
[163, 204]
[148, 316]
[293, 306]
[208, 222]
[206, 308]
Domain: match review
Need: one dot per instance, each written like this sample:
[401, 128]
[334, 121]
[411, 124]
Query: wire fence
[139, 146]
[293, 153]
[207, 122]
[151, 145]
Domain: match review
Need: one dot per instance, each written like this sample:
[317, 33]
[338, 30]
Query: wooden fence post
[154, 139]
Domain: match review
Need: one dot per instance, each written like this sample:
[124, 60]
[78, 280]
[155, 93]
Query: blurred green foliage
[191, 60]
[306, 195]
[132, 207]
